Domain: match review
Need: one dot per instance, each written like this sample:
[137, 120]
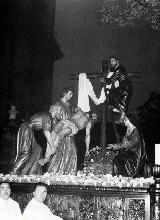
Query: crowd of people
[63, 121]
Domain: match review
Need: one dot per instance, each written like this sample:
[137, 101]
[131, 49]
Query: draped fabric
[65, 159]
[119, 96]
[28, 150]
[131, 159]
[85, 90]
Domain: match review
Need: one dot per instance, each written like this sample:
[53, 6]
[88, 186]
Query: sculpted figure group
[59, 125]
[63, 121]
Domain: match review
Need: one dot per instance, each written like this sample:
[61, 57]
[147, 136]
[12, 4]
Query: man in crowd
[9, 209]
[36, 209]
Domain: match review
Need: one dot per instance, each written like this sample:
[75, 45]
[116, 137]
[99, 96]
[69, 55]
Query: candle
[157, 154]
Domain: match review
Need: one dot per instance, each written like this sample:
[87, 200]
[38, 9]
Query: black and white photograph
[80, 109]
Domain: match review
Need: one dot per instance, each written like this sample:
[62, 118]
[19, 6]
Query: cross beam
[132, 75]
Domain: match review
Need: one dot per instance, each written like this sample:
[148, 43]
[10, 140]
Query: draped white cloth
[85, 90]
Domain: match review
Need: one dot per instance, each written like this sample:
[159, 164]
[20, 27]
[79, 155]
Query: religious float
[93, 193]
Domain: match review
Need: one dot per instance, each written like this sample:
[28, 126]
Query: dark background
[28, 51]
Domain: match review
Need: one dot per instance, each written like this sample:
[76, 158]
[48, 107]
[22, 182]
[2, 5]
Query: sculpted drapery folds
[64, 161]
[130, 153]
[119, 95]
[29, 152]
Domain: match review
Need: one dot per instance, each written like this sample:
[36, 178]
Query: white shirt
[9, 210]
[38, 211]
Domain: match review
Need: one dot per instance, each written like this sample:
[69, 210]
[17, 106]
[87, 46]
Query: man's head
[40, 192]
[5, 190]
[114, 61]
[67, 93]
[39, 120]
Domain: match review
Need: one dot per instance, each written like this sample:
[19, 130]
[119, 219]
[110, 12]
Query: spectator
[36, 209]
[9, 209]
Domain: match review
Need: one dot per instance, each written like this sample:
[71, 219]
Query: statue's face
[113, 62]
[69, 95]
[13, 107]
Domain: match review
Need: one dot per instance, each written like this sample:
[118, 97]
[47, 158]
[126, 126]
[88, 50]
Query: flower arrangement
[128, 13]
[99, 161]
[96, 173]
[81, 179]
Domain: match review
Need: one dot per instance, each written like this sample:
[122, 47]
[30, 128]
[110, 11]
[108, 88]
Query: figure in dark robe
[119, 85]
[118, 89]
[130, 153]
[29, 152]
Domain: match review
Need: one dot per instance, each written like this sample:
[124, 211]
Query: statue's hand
[43, 161]
[58, 116]
[108, 86]
[87, 153]
[77, 109]
[102, 80]
[110, 146]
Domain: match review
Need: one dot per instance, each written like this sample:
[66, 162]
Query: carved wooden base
[91, 203]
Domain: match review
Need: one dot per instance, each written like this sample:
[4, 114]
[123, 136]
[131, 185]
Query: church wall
[28, 51]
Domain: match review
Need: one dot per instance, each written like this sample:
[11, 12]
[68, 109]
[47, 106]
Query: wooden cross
[132, 75]
[103, 73]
